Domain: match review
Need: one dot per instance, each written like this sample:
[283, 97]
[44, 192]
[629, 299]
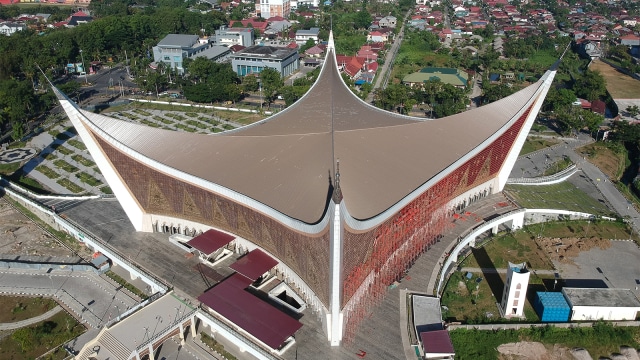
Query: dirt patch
[526, 350]
[611, 163]
[21, 236]
[565, 249]
[462, 288]
[619, 85]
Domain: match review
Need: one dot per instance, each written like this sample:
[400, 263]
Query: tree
[496, 92]
[633, 110]
[250, 83]
[271, 83]
[591, 85]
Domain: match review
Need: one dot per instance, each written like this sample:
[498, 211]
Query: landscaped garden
[564, 196]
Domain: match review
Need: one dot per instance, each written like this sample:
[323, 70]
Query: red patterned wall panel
[392, 247]
[161, 194]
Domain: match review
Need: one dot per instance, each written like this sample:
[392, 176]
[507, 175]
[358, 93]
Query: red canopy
[255, 316]
[210, 241]
[254, 264]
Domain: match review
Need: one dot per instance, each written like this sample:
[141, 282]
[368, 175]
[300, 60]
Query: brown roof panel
[254, 264]
[255, 316]
[210, 241]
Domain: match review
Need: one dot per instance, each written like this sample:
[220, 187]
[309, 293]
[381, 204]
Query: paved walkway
[30, 321]
[502, 271]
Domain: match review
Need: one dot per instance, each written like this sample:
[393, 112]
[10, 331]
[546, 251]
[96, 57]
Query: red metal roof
[255, 316]
[254, 264]
[436, 342]
[210, 241]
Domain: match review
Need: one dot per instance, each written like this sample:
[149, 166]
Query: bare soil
[526, 350]
[21, 236]
[565, 249]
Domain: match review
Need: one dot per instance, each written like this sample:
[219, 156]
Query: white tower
[515, 290]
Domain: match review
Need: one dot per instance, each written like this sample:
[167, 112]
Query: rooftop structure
[254, 59]
[174, 48]
[600, 297]
[344, 195]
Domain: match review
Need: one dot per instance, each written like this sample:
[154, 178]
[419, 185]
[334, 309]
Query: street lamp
[83, 68]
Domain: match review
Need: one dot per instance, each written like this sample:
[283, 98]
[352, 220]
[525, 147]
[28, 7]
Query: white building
[515, 290]
[302, 36]
[271, 8]
[601, 304]
[8, 28]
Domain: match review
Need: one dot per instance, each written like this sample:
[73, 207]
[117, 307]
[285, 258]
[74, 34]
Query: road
[385, 70]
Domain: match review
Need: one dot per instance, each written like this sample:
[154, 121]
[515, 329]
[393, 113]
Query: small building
[302, 36]
[433, 340]
[234, 36]
[601, 304]
[552, 307]
[254, 59]
[387, 21]
[515, 290]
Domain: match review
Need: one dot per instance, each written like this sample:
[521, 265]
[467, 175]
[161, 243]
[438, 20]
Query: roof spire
[331, 44]
[337, 192]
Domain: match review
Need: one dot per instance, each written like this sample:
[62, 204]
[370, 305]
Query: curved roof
[287, 161]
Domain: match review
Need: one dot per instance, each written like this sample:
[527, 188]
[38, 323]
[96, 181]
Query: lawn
[534, 143]
[600, 340]
[563, 196]
[473, 301]
[8, 169]
[64, 151]
[83, 160]
[619, 85]
[520, 246]
[106, 190]
[88, 179]
[17, 308]
[65, 166]
[608, 157]
[70, 185]
[33, 341]
[47, 171]
[77, 144]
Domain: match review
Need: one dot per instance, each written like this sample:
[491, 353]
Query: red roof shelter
[252, 314]
[210, 241]
[437, 342]
[254, 264]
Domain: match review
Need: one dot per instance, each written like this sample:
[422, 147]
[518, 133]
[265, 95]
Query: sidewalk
[30, 321]
[503, 271]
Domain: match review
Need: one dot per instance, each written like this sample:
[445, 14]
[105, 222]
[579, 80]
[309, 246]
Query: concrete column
[472, 243]
[181, 334]
[134, 276]
[152, 356]
[193, 326]
[495, 229]
[137, 355]
[517, 222]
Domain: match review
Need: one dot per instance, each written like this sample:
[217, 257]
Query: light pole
[83, 68]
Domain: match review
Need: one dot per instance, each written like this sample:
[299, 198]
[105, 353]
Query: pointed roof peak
[331, 44]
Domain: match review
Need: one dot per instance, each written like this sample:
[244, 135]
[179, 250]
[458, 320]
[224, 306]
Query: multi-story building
[302, 36]
[271, 8]
[174, 48]
[234, 36]
[254, 59]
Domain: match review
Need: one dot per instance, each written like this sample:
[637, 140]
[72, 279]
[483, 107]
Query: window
[167, 58]
[515, 302]
[514, 311]
[519, 286]
[518, 294]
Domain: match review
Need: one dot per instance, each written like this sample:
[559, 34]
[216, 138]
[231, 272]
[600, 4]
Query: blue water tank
[551, 307]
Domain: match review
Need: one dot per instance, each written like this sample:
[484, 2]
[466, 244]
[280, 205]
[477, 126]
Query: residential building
[174, 48]
[302, 36]
[254, 59]
[234, 36]
[8, 28]
[387, 21]
[270, 8]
